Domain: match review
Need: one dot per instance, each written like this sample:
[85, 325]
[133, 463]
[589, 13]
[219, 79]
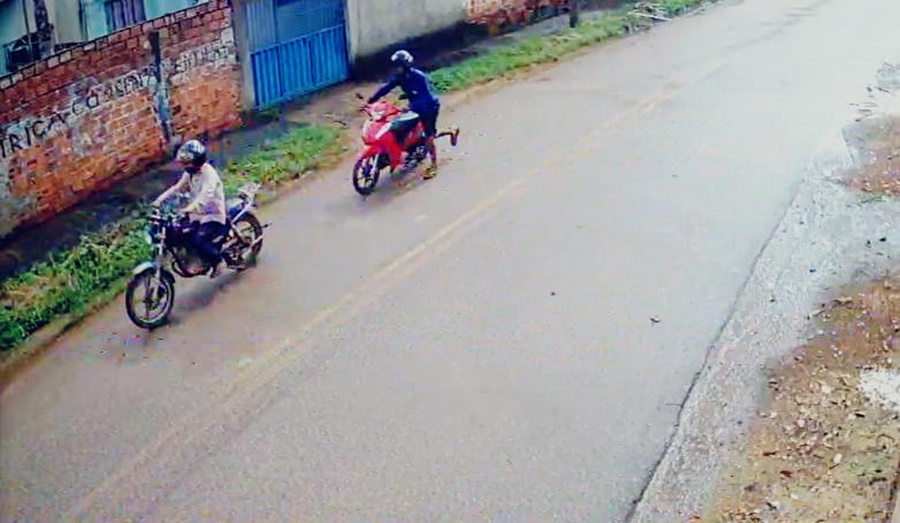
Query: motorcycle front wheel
[365, 175]
[148, 309]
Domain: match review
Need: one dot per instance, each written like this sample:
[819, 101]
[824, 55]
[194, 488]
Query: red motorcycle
[388, 133]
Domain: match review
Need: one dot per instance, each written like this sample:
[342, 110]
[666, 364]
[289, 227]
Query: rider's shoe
[430, 172]
[454, 138]
[217, 268]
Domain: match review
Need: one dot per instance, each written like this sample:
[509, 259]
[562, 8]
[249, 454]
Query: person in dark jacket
[422, 100]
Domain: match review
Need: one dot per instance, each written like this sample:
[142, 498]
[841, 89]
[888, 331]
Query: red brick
[117, 37]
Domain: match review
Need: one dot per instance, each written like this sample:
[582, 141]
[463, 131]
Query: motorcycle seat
[232, 207]
[404, 123]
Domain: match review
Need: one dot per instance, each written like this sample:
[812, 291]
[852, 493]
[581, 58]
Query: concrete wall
[375, 25]
[157, 8]
[242, 41]
[65, 16]
[90, 116]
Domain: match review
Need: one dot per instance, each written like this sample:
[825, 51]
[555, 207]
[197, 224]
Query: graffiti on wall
[31, 131]
[211, 54]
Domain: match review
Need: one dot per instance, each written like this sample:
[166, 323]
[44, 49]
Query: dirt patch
[882, 174]
[826, 445]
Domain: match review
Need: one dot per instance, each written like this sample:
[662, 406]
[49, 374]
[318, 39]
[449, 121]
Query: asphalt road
[479, 346]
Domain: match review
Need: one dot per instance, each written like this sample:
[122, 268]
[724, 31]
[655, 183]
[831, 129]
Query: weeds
[67, 283]
[283, 158]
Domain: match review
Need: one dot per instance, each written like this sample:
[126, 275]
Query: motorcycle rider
[422, 100]
[206, 210]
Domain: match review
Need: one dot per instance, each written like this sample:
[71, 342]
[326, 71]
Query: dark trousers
[203, 238]
[429, 116]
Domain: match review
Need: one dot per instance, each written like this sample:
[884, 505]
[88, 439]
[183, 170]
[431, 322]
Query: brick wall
[86, 118]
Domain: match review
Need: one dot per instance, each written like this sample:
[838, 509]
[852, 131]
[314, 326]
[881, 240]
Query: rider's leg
[429, 122]
[204, 236]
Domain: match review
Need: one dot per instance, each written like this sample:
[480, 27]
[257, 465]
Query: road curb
[767, 320]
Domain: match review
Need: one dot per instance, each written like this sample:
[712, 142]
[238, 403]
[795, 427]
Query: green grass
[283, 158]
[542, 49]
[67, 282]
[71, 283]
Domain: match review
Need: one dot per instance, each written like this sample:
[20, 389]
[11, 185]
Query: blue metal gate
[296, 47]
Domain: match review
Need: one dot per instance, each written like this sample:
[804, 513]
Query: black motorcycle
[150, 294]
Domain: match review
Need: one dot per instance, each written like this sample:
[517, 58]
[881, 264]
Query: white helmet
[402, 58]
[192, 155]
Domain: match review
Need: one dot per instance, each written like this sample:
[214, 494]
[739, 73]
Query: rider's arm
[385, 89]
[178, 187]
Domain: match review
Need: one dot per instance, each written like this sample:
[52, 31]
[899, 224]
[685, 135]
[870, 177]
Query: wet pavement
[512, 340]
[334, 106]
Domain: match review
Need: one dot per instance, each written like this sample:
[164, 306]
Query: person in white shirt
[207, 207]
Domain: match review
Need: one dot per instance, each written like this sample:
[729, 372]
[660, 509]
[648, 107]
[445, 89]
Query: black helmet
[192, 155]
[402, 58]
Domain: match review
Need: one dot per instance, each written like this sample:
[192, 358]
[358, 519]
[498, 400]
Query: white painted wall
[374, 25]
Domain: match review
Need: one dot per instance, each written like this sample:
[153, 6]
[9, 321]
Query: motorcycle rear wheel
[251, 230]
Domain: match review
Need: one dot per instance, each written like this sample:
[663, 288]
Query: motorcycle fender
[370, 150]
[150, 265]
[237, 216]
